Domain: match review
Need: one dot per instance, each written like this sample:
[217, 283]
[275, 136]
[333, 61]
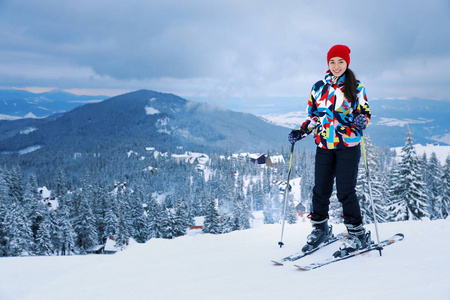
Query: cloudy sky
[244, 54]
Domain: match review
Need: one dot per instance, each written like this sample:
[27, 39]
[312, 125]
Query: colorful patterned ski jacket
[330, 115]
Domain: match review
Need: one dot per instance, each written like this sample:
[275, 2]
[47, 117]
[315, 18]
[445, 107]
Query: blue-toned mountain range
[20, 103]
[141, 119]
[148, 118]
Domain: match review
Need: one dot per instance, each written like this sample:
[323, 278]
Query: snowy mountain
[237, 266]
[8, 118]
[24, 104]
[136, 120]
[427, 119]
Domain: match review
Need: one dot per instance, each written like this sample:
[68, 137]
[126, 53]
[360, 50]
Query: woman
[337, 111]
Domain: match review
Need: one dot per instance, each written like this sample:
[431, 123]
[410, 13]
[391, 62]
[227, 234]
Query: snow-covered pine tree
[140, 225]
[13, 178]
[291, 213]
[61, 188]
[226, 189]
[33, 205]
[154, 215]
[241, 203]
[229, 222]
[195, 205]
[16, 234]
[84, 222]
[31, 193]
[100, 205]
[4, 199]
[257, 196]
[432, 174]
[67, 233]
[55, 230]
[180, 222]
[122, 236]
[307, 178]
[410, 189]
[335, 211]
[445, 189]
[397, 208]
[44, 244]
[268, 211]
[167, 224]
[276, 197]
[211, 223]
[111, 224]
[378, 185]
[249, 197]
[123, 229]
[244, 212]
[197, 197]
[232, 214]
[196, 194]
[124, 201]
[183, 214]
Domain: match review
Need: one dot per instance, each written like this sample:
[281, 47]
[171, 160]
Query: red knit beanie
[340, 51]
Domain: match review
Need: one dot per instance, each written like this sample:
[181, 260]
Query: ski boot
[357, 239]
[321, 233]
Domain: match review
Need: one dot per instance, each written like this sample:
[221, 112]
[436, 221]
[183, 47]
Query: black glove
[294, 136]
[360, 121]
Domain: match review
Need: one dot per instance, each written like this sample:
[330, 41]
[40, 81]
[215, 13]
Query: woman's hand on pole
[360, 121]
[294, 136]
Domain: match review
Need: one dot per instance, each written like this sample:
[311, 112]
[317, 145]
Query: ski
[395, 238]
[301, 254]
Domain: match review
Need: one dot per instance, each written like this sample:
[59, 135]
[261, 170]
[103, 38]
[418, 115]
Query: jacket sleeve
[310, 122]
[362, 104]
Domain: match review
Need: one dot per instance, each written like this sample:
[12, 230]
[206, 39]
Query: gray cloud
[223, 48]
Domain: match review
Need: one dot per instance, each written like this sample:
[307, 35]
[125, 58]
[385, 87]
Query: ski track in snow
[237, 266]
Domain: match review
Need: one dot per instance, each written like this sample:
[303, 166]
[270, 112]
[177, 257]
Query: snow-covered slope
[8, 118]
[237, 266]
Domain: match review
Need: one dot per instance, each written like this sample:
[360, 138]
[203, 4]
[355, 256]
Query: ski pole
[286, 191]
[370, 189]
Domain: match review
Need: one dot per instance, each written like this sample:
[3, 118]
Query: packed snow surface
[237, 266]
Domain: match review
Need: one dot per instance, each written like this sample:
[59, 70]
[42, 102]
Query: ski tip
[400, 235]
[302, 268]
[395, 238]
[277, 263]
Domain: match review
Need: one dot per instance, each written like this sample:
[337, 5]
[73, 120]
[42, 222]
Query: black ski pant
[341, 164]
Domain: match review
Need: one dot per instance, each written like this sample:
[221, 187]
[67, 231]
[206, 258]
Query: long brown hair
[350, 85]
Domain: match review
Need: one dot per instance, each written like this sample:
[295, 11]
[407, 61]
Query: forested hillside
[145, 195]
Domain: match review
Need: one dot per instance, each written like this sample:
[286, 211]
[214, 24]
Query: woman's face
[337, 66]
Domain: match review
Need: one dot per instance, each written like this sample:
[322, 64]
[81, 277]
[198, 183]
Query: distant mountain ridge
[427, 119]
[141, 119]
[20, 103]
[151, 118]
